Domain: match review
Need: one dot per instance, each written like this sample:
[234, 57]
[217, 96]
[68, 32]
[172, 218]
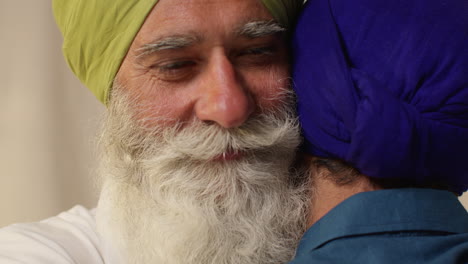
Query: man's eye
[259, 51]
[171, 66]
[174, 71]
[257, 56]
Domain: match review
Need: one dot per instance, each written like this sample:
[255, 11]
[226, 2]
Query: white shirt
[69, 237]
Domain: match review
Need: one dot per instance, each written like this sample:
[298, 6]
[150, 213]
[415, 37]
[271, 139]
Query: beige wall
[464, 200]
[47, 119]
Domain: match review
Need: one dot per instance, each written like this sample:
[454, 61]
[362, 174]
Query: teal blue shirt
[396, 226]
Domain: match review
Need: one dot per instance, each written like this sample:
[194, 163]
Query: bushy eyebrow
[258, 29]
[251, 30]
[167, 43]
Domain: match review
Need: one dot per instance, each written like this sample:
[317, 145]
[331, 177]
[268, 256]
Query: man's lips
[226, 156]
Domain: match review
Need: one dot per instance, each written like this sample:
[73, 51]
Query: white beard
[166, 200]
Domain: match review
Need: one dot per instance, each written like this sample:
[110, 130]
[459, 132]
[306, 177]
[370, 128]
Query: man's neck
[327, 195]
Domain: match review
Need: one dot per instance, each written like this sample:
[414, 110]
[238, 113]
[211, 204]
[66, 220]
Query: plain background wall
[48, 120]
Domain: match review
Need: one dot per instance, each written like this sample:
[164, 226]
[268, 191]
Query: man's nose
[224, 98]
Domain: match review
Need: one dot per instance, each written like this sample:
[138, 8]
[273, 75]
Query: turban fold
[383, 85]
[98, 33]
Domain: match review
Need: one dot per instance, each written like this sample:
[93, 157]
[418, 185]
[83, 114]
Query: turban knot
[383, 85]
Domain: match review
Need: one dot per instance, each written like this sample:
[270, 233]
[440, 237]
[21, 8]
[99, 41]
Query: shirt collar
[387, 211]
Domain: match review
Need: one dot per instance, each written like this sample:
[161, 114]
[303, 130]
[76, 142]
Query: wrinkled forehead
[201, 17]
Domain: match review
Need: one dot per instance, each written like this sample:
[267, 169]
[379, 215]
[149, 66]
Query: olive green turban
[97, 34]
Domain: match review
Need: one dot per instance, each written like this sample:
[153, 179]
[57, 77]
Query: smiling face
[216, 61]
[199, 139]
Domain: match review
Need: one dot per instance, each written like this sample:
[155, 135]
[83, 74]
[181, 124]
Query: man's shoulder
[390, 226]
[390, 248]
[69, 237]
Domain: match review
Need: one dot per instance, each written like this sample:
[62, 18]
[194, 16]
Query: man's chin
[229, 156]
[233, 218]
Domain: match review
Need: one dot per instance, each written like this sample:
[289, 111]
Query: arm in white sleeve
[69, 237]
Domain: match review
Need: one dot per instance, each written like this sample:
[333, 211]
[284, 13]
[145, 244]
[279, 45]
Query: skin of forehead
[250, 30]
[198, 15]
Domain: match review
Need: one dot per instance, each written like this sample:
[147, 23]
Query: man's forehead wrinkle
[178, 41]
[259, 28]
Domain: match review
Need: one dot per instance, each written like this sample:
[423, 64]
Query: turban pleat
[383, 85]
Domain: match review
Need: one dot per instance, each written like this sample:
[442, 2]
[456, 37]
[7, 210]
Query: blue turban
[383, 85]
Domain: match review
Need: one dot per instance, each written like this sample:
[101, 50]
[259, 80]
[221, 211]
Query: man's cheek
[273, 90]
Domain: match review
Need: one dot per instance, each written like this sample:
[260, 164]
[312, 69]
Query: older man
[382, 90]
[198, 139]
